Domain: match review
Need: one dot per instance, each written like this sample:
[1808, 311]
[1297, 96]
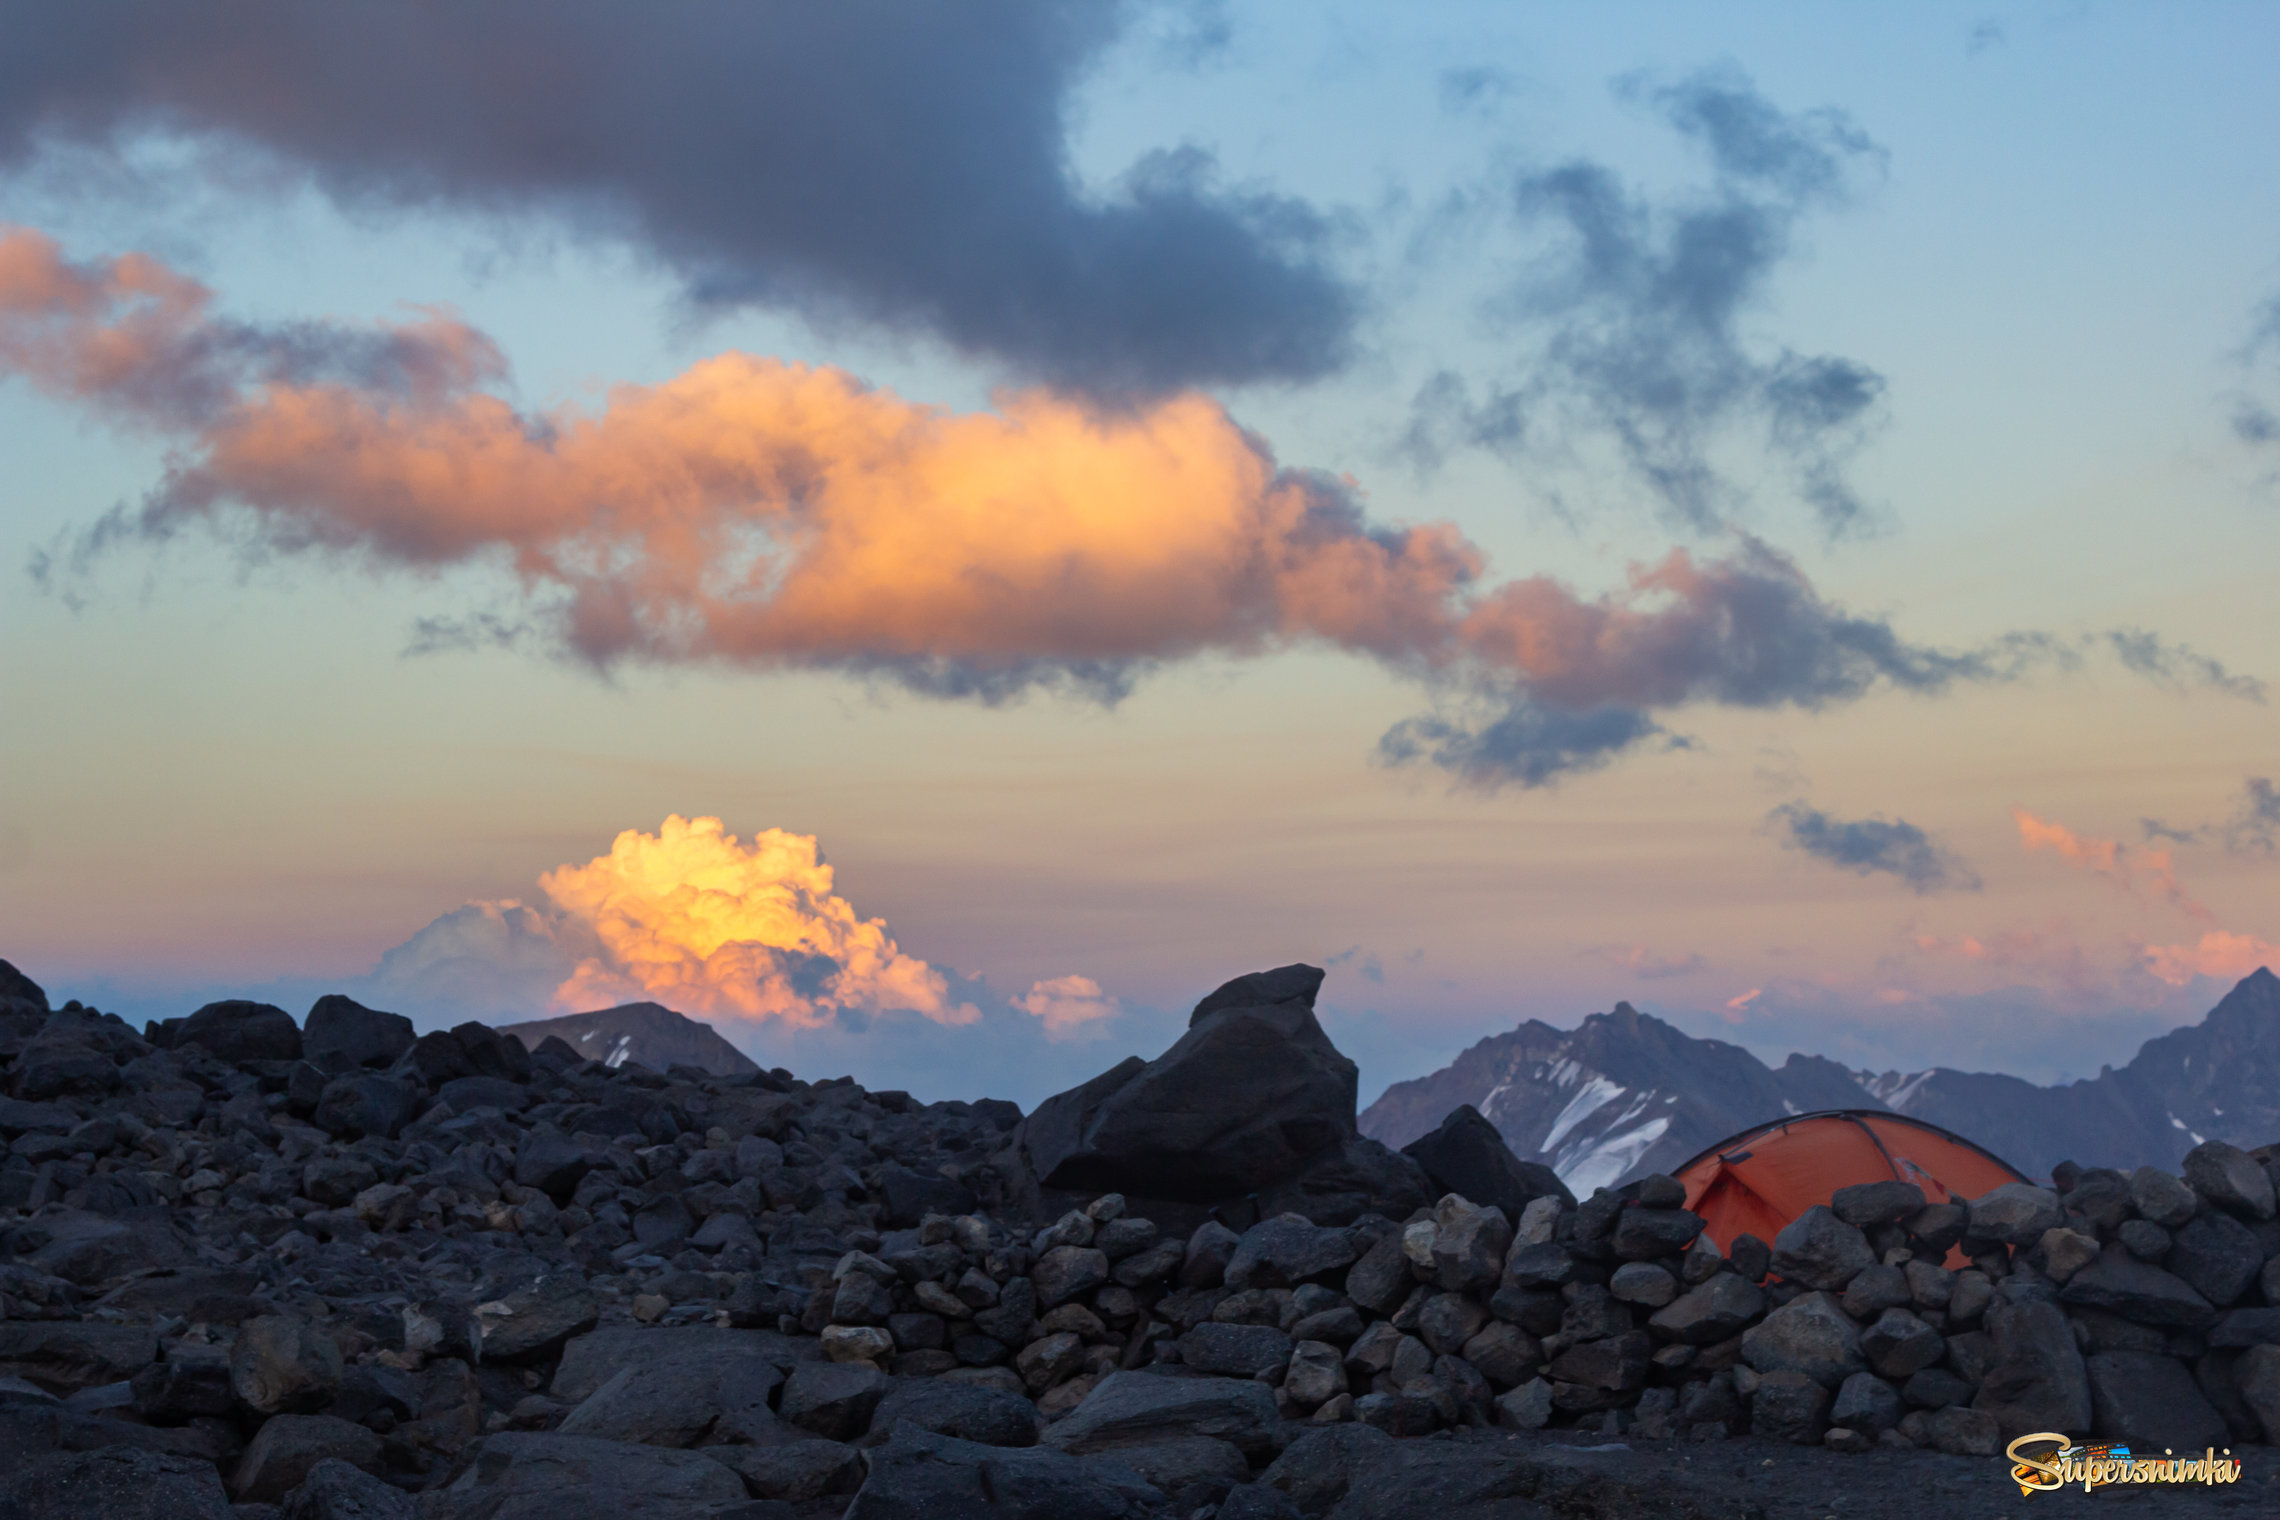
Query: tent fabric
[1759, 1180]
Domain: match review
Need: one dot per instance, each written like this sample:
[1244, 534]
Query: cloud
[760, 515]
[1872, 846]
[1640, 314]
[2109, 858]
[2177, 666]
[689, 916]
[1067, 1005]
[902, 166]
[1645, 964]
[2154, 828]
[2256, 821]
[2226, 957]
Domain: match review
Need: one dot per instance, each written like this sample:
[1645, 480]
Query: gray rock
[288, 1448]
[989, 1416]
[2256, 1373]
[1791, 1407]
[2216, 1255]
[861, 1299]
[1899, 1344]
[1811, 1335]
[2247, 1327]
[282, 1364]
[236, 1030]
[1866, 1205]
[2034, 1378]
[919, 1473]
[374, 1103]
[1174, 1465]
[2150, 1401]
[795, 1472]
[2015, 1214]
[680, 1400]
[1866, 1403]
[2136, 1290]
[115, 1483]
[1209, 1249]
[1250, 1095]
[1618, 1363]
[1448, 1320]
[1969, 1298]
[1936, 1388]
[1821, 1251]
[88, 1249]
[1505, 1354]
[342, 1030]
[554, 1164]
[531, 1475]
[336, 1490]
[591, 1360]
[1717, 1310]
[834, 1400]
[1285, 1251]
[1876, 1289]
[1381, 1279]
[1049, 1360]
[1015, 1312]
[1140, 1408]
[1125, 1237]
[1641, 1234]
[1318, 1468]
[1469, 1244]
[1544, 1265]
[539, 1321]
[2161, 1197]
[2230, 1178]
[1468, 1157]
[1527, 1407]
[1399, 1412]
[1234, 1350]
[193, 1380]
[63, 1356]
[1964, 1432]
[1066, 1272]
[1339, 1326]
[1643, 1283]
[2143, 1239]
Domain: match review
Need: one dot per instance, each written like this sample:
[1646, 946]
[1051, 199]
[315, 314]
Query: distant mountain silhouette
[1625, 1094]
[647, 1033]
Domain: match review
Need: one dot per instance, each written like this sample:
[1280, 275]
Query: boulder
[1962, 1432]
[1643, 1283]
[1811, 1335]
[2216, 1255]
[341, 1032]
[64, 1356]
[2066, 1252]
[2257, 1375]
[834, 1400]
[1717, 1310]
[533, 1475]
[336, 1490]
[1317, 1374]
[114, 1483]
[1066, 1272]
[282, 1364]
[1875, 1290]
[1865, 1205]
[534, 1324]
[1285, 1251]
[2015, 1214]
[288, 1447]
[1468, 1157]
[1172, 1466]
[1505, 1354]
[1640, 1234]
[1469, 1244]
[1527, 1407]
[1139, 1408]
[1616, 1363]
[236, 1030]
[1251, 1096]
[2162, 1198]
[1234, 1350]
[681, 1400]
[2148, 1400]
[2230, 1178]
[1866, 1403]
[1899, 1344]
[1447, 1320]
[2034, 1378]
[919, 1473]
[796, 1471]
[1789, 1406]
[1316, 1469]
[1821, 1251]
[969, 1411]
[2137, 1290]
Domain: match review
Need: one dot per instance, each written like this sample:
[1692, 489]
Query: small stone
[1208, 1249]
[282, 1364]
[649, 1308]
[1317, 1374]
[1866, 1205]
[1962, 1432]
[1640, 1234]
[857, 1343]
[2162, 1198]
[1929, 1284]
[2230, 1178]
[1066, 1272]
[1527, 1407]
[1718, 1310]
[1842, 1438]
[1505, 1354]
[1234, 1350]
[1053, 1359]
[1538, 1221]
[1642, 1282]
[1448, 1320]
[1469, 1244]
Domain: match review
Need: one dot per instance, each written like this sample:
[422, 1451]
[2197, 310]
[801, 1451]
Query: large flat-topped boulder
[1250, 1098]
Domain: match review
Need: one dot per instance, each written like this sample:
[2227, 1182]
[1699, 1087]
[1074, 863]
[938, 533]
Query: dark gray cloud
[1639, 310]
[1874, 847]
[2253, 420]
[2154, 828]
[2254, 828]
[901, 165]
[2178, 666]
[1526, 743]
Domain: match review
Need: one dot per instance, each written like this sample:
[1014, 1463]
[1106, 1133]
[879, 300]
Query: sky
[932, 537]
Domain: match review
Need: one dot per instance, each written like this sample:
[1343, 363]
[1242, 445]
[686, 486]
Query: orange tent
[1764, 1177]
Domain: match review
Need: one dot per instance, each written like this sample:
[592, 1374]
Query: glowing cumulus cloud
[2226, 957]
[691, 917]
[1067, 1004]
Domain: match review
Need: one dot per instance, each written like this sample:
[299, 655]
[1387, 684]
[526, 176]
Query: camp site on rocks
[333, 1269]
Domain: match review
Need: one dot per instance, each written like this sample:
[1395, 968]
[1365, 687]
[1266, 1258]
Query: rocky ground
[327, 1270]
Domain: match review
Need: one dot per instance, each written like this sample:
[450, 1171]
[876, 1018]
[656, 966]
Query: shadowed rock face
[1253, 1096]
